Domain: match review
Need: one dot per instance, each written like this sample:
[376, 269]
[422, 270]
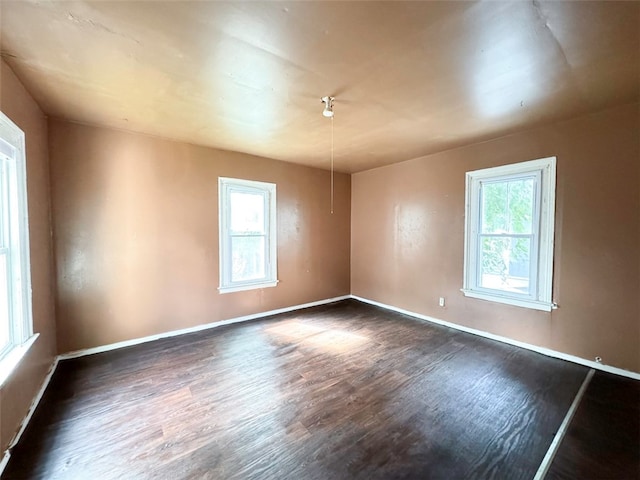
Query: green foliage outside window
[507, 208]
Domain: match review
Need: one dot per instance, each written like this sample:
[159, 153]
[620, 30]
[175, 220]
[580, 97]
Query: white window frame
[268, 191]
[541, 274]
[15, 222]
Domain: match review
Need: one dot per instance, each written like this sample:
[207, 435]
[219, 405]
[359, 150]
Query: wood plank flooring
[603, 440]
[341, 391]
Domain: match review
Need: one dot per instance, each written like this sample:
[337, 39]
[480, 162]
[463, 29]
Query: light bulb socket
[328, 106]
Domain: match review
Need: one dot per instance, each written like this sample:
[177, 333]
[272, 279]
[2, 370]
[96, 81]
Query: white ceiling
[410, 78]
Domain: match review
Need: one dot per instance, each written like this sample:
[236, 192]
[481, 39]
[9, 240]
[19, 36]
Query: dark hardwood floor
[340, 391]
[603, 440]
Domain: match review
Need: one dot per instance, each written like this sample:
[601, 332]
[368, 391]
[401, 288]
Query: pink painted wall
[136, 235]
[18, 392]
[408, 236]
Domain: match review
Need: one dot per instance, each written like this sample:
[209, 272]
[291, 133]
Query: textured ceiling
[410, 78]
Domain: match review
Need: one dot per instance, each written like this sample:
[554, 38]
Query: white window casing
[536, 284]
[247, 225]
[15, 270]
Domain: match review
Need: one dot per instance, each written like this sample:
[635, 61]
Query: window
[509, 227]
[247, 234]
[15, 281]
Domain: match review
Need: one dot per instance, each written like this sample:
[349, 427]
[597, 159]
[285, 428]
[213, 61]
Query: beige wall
[136, 234]
[17, 394]
[408, 226]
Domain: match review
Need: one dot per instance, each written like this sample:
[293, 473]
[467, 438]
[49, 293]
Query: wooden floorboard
[341, 391]
[603, 440]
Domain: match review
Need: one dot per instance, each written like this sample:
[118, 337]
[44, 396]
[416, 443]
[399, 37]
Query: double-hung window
[247, 219]
[509, 225]
[15, 281]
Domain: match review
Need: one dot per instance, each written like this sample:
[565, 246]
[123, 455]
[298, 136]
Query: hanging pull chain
[328, 113]
[332, 165]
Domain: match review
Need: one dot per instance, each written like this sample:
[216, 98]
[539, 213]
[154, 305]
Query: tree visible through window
[509, 233]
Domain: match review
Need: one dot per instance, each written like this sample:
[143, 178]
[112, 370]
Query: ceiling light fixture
[328, 112]
[328, 106]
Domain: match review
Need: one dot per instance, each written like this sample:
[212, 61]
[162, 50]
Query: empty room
[319, 240]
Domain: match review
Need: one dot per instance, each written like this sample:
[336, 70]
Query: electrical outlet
[441, 302]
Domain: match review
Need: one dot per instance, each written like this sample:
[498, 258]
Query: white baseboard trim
[27, 418]
[544, 351]
[4, 461]
[207, 326]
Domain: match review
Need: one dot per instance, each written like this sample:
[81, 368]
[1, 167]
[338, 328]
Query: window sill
[11, 361]
[518, 302]
[248, 286]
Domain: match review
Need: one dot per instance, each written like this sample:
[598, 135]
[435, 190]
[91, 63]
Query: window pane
[4, 301]
[247, 258]
[247, 212]
[505, 264]
[521, 202]
[507, 206]
[494, 207]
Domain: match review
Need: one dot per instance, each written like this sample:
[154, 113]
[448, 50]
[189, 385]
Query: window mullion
[537, 225]
[508, 235]
[11, 224]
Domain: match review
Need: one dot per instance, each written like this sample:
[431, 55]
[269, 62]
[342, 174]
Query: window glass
[248, 258]
[507, 206]
[5, 338]
[247, 212]
[505, 264]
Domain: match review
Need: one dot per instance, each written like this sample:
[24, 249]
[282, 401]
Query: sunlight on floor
[332, 340]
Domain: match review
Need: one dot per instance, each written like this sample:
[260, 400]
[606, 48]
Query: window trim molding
[21, 336]
[542, 298]
[271, 280]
